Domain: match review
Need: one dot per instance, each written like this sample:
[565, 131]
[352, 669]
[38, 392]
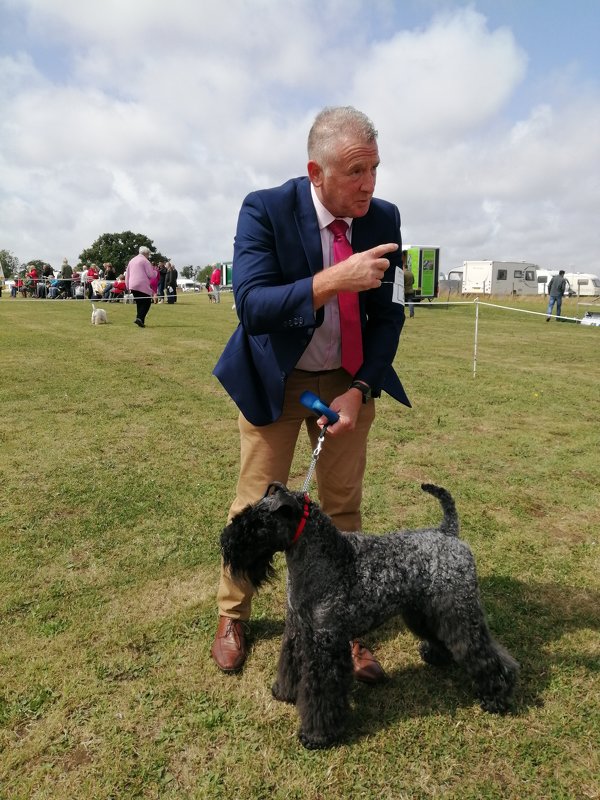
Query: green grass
[118, 461]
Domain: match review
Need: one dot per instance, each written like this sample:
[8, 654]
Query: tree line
[114, 248]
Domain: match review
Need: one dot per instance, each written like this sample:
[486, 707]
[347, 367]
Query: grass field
[118, 459]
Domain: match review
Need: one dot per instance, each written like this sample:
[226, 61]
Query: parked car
[188, 285]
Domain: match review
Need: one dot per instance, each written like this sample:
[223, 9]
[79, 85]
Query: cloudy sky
[159, 116]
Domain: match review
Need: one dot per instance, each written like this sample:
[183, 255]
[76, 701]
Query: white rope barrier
[477, 303]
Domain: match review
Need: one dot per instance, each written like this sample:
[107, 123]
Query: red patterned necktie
[350, 331]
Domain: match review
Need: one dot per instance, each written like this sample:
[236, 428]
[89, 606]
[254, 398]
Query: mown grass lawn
[118, 460]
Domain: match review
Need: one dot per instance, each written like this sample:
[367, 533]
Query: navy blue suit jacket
[276, 253]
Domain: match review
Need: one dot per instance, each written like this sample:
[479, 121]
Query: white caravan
[583, 284]
[499, 277]
[544, 277]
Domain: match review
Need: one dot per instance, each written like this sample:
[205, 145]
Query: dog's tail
[450, 523]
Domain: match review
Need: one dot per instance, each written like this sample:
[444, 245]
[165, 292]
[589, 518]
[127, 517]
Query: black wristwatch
[362, 387]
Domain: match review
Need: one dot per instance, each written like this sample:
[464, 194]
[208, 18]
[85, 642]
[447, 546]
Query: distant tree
[9, 264]
[203, 274]
[119, 249]
[188, 271]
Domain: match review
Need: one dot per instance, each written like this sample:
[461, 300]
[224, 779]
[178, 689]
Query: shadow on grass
[266, 628]
[526, 618]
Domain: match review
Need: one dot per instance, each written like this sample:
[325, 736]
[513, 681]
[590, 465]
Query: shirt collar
[324, 216]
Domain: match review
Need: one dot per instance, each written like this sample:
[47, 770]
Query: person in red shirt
[215, 282]
[118, 289]
[92, 275]
[31, 281]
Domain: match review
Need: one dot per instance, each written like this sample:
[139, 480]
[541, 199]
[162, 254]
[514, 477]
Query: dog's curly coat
[340, 586]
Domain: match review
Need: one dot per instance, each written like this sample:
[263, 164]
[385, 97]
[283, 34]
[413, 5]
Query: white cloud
[160, 116]
[444, 81]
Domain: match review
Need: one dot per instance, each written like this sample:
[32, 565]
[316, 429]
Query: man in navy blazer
[286, 288]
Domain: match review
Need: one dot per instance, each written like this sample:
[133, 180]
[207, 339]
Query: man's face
[346, 185]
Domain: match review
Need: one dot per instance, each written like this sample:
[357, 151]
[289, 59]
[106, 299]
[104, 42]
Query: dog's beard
[250, 541]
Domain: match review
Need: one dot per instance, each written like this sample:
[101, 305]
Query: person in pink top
[138, 277]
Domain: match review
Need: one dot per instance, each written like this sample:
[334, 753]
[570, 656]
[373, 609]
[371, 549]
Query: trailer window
[529, 275]
[596, 283]
[501, 275]
[518, 273]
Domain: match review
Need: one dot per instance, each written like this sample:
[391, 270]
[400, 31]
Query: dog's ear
[281, 497]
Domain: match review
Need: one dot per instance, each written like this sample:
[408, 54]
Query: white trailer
[544, 277]
[583, 284]
[499, 277]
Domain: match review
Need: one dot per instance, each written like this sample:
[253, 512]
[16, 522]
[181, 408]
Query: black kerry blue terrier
[340, 586]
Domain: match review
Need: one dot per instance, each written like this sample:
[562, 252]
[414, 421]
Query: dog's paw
[284, 697]
[496, 705]
[316, 742]
[434, 654]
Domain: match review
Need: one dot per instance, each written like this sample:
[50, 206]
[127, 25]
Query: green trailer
[424, 263]
[226, 268]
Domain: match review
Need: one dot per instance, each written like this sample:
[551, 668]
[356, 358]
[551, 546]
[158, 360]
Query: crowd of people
[92, 282]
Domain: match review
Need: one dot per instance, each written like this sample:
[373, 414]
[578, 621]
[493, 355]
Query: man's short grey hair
[145, 251]
[334, 124]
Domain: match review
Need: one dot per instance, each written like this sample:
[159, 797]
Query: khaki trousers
[266, 456]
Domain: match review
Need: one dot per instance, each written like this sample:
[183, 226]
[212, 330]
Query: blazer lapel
[308, 226]
[362, 234]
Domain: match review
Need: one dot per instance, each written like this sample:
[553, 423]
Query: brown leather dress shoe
[366, 667]
[229, 649]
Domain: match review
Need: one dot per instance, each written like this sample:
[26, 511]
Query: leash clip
[315, 458]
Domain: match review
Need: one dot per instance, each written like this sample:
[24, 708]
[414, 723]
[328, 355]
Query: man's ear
[315, 173]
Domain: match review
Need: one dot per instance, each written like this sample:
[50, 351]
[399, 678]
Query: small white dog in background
[98, 316]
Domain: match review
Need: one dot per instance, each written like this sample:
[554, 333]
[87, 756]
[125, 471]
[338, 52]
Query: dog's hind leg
[493, 670]
[435, 653]
[289, 668]
[495, 673]
[431, 649]
[323, 693]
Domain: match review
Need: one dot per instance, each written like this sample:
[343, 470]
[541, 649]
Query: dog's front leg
[323, 692]
[285, 687]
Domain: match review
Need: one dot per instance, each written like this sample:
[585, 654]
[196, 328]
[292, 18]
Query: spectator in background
[556, 289]
[409, 284]
[215, 282]
[31, 280]
[17, 287]
[110, 274]
[32, 272]
[54, 288]
[154, 283]
[91, 275]
[162, 276]
[171, 283]
[83, 279]
[138, 275]
[117, 290]
[76, 282]
[66, 272]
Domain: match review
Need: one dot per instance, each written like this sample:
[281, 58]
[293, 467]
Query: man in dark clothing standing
[556, 290]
